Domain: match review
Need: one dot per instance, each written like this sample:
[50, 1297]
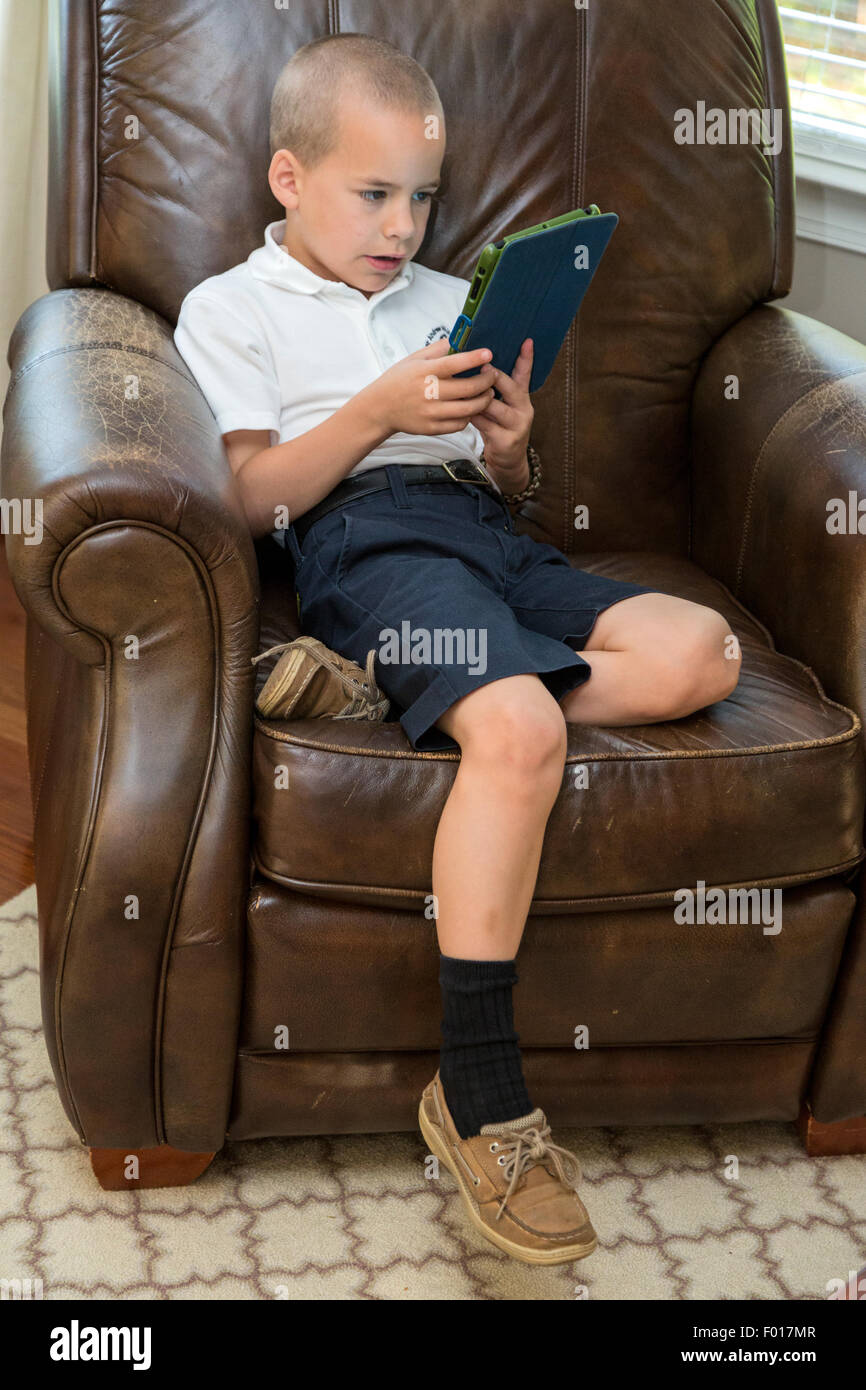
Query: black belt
[376, 480]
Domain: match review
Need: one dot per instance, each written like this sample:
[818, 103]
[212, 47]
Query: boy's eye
[372, 194]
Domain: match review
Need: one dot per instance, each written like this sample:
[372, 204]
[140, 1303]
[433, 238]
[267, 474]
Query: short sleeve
[230, 363]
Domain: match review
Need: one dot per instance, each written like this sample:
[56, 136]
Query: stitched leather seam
[541, 1235]
[672, 755]
[460, 1159]
[98, 344]
[663, 898]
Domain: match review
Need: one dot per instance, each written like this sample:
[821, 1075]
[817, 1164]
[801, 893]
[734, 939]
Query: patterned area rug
[352, 1217]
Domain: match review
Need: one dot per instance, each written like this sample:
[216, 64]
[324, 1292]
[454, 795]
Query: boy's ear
[283, 174]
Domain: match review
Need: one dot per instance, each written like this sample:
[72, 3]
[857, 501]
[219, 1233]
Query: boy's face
[369, 198]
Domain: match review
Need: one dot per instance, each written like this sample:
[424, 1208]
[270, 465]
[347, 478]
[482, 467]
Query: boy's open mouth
[384, 262]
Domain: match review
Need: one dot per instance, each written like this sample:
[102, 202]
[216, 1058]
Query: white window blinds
[825, 51]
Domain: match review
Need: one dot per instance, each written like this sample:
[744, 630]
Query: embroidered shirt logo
[439, 332]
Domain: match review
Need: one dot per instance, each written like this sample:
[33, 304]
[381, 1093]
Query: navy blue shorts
[436, 579]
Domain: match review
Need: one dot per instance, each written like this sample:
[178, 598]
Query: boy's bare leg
[488, 841]
[654, 657]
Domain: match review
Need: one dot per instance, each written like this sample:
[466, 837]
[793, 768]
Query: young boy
[324, 357]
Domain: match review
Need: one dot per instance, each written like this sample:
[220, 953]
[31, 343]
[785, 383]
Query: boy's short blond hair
[306, 94]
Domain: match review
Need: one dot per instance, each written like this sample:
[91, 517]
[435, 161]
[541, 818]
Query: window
[825, 50]
[825, 55]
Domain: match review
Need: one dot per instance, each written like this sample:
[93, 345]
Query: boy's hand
[505, 425]
[420, 394]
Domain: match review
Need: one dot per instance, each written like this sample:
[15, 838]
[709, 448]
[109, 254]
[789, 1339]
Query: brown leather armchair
[190, 906]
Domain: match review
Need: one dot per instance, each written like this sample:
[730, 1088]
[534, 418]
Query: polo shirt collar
[273, 263]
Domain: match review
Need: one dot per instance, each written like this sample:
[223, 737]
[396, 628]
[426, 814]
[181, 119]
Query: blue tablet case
[535, 292]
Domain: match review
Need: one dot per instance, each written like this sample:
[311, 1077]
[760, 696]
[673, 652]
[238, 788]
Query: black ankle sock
[480, 1065]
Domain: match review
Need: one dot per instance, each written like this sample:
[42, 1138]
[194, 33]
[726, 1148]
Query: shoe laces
[527, 1147]
[365, 702]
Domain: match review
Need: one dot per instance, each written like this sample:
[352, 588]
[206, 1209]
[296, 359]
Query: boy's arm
[234, 371]
[300, 472]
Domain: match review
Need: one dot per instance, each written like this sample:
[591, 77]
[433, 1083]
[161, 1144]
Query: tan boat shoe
[518, 1187]
[310, 681]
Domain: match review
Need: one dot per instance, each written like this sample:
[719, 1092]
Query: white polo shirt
[275, 347]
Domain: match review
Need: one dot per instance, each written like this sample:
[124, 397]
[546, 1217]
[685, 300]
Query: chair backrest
[159, 152]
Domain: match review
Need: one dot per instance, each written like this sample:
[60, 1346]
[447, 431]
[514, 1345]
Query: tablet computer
[530, 285]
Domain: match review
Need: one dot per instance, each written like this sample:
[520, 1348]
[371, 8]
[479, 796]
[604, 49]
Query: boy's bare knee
[716, 660]
[518, 728]
[707, 666]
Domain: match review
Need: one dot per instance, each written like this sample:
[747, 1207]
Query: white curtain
[23, 161]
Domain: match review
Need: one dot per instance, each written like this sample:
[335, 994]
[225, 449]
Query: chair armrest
[764, 469]
[104, 423]
[142, 600]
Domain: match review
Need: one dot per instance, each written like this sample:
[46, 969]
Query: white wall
[829, 285]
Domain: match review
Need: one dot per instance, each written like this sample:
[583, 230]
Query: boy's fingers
[513, 388]
[522, 369]
[509, 390]
[463, 361]
[467, 403]
[431, 351]
[455, 390]
[498, 412]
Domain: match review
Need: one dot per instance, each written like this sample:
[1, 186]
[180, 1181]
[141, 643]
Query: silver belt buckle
[477, 476]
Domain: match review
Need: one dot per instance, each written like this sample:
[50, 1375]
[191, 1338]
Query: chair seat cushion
[760, 790]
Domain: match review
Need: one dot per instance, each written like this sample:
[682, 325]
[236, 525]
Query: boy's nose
[400, 226]
[398, 235]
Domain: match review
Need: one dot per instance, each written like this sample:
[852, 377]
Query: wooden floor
[16, 821]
